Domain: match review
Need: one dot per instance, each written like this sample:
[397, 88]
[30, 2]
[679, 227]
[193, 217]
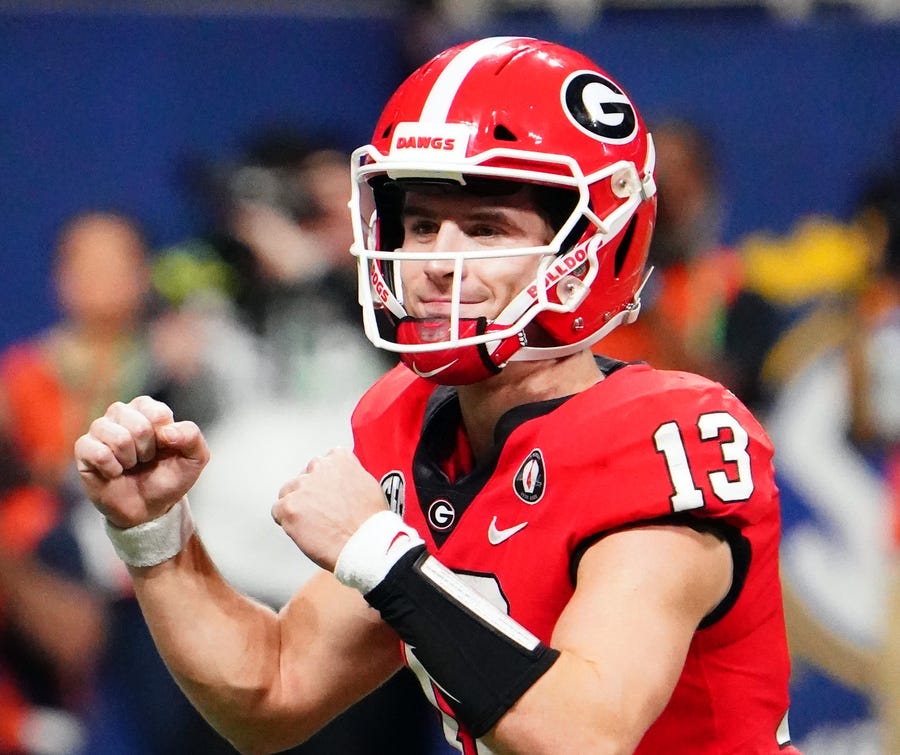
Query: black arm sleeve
[481, 659]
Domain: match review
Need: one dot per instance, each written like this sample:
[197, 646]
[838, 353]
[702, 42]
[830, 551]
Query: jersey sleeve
[672, 443]
[674, 448]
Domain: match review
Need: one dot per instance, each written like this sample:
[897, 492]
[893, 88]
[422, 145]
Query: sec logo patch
[394, 488]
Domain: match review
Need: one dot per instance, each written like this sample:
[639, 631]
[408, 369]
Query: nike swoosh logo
[399, 536]
[432, 373]
[497, 536]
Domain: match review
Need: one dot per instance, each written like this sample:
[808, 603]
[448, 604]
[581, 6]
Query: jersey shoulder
[396, 401]
[663, 443]
[643, 394]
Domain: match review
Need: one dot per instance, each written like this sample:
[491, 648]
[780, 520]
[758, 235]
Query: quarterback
[572, 554]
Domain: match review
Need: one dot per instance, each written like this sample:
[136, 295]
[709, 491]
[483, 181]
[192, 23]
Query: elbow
[568, 743]
[255, 748]
[266, 742]
[251, 744]
[268, 733]
[604, 738]
[247, 718]
[249, 748]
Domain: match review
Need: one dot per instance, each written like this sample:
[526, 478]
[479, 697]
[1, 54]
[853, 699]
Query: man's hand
[136, 462]
[321, 508]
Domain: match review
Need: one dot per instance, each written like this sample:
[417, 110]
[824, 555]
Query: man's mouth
[441, 309]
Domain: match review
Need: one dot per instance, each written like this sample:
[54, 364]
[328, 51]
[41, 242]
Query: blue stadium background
[98, 108]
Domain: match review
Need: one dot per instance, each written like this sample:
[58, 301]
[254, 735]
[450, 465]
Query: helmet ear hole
[503, 134]
[624, 246]
[388, 206]
[557, 205]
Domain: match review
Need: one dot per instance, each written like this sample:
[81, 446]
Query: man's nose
[448, 239]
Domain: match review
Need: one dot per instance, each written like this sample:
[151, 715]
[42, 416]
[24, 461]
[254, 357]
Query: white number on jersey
[734, 482]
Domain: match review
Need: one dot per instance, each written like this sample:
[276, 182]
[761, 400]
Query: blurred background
[172, 207]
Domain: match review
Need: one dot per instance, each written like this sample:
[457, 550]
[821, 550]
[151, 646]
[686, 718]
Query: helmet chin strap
[463, 365]
[460, 365]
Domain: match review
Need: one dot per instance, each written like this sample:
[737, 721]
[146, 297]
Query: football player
[572, 554]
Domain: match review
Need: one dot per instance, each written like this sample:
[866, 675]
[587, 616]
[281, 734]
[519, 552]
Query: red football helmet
[509, 109]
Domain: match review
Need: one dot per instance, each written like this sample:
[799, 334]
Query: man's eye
[422, 228]
[484, 231]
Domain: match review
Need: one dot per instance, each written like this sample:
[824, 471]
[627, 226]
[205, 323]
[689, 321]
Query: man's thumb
[185, 438]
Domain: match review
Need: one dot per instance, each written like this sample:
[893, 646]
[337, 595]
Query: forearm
[222, 648]
[576, 707]
[501, 681]
[264, 681]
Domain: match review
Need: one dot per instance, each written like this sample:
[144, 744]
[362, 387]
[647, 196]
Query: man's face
[453, 221]
[101, 273]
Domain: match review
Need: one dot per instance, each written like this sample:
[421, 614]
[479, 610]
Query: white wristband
[155, 541]
[373, 549]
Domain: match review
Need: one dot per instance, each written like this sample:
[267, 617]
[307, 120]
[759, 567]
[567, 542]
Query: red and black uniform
[641, 446]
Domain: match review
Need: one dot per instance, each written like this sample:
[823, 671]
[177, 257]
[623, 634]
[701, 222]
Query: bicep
[623, 638]
[640, 596]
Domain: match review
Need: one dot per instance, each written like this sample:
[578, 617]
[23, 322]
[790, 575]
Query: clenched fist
[136, 461]
[321, 508]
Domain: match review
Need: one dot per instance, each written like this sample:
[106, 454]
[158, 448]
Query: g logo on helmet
[598, 107]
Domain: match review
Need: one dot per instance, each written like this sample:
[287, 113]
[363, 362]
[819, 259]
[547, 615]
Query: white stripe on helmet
[444, 90]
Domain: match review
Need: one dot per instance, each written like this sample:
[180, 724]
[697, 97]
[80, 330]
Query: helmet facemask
[567, 268]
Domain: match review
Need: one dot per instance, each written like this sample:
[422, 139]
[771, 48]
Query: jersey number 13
[731, 483]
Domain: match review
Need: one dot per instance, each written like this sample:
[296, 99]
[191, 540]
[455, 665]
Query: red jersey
[640, 446]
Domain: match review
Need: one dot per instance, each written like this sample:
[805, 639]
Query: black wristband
[482, 659]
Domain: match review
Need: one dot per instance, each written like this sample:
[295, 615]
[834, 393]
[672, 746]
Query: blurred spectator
[271, 290]
[72, 638]
[694, 276]
[51, 628]
[270, 294]
[54, 383]
[272, 286]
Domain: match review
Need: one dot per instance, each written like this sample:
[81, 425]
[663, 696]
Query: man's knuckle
[97, 425]
[119, 440]
[115, 409]
[142, 428]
